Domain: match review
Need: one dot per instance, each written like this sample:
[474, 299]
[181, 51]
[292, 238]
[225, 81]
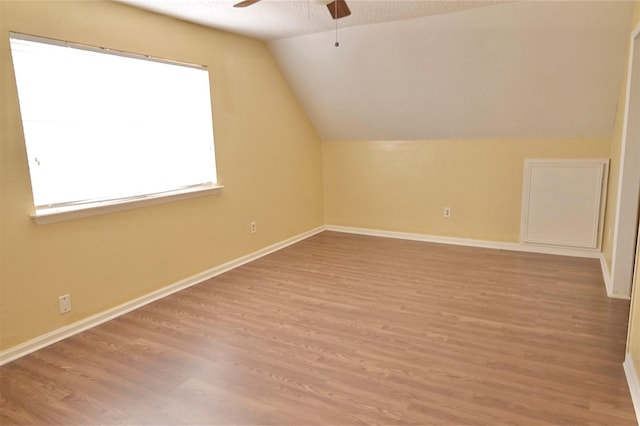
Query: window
[105, 128]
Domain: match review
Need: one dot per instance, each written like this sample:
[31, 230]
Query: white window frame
[71, 209]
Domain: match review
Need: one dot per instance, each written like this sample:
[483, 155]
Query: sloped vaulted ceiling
[438, 69]
[528, 69]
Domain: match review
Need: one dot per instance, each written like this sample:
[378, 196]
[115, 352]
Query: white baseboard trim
[633, 380]
[54, 336]
[530, 248]
[606, 275]
[608, 280]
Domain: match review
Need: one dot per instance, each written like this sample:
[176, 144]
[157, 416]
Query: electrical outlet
[447, 212]
[64, 303]
[254, 227]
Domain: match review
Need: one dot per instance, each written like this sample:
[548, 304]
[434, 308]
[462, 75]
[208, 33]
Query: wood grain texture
[346, 329]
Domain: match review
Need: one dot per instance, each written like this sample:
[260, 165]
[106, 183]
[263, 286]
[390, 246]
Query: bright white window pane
[100, 125]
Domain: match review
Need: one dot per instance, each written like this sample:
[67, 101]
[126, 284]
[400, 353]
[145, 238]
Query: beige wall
[404, 185]
[616, 147]
[268, 157]
[607, 248]
[634, 320]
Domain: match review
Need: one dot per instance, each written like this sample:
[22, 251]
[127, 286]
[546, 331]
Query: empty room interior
[390, 212]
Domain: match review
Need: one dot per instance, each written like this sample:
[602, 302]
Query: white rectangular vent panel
[562, 202]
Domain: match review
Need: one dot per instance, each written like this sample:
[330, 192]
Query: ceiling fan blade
[338, 9]
[245, 3]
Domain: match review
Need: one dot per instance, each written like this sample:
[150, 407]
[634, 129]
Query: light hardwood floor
[346, 329]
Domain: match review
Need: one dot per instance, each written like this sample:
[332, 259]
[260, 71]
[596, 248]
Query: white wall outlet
[254, 227]
[447, 212]
[64, 303]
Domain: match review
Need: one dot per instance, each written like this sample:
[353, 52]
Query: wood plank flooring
[344, 329]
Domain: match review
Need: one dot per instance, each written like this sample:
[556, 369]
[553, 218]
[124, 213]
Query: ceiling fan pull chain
[336, 10]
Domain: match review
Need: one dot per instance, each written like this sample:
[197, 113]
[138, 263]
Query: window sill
[59, 214]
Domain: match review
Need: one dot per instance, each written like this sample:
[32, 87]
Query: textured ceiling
[534, 69]
[416, 70]
[273, 19]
